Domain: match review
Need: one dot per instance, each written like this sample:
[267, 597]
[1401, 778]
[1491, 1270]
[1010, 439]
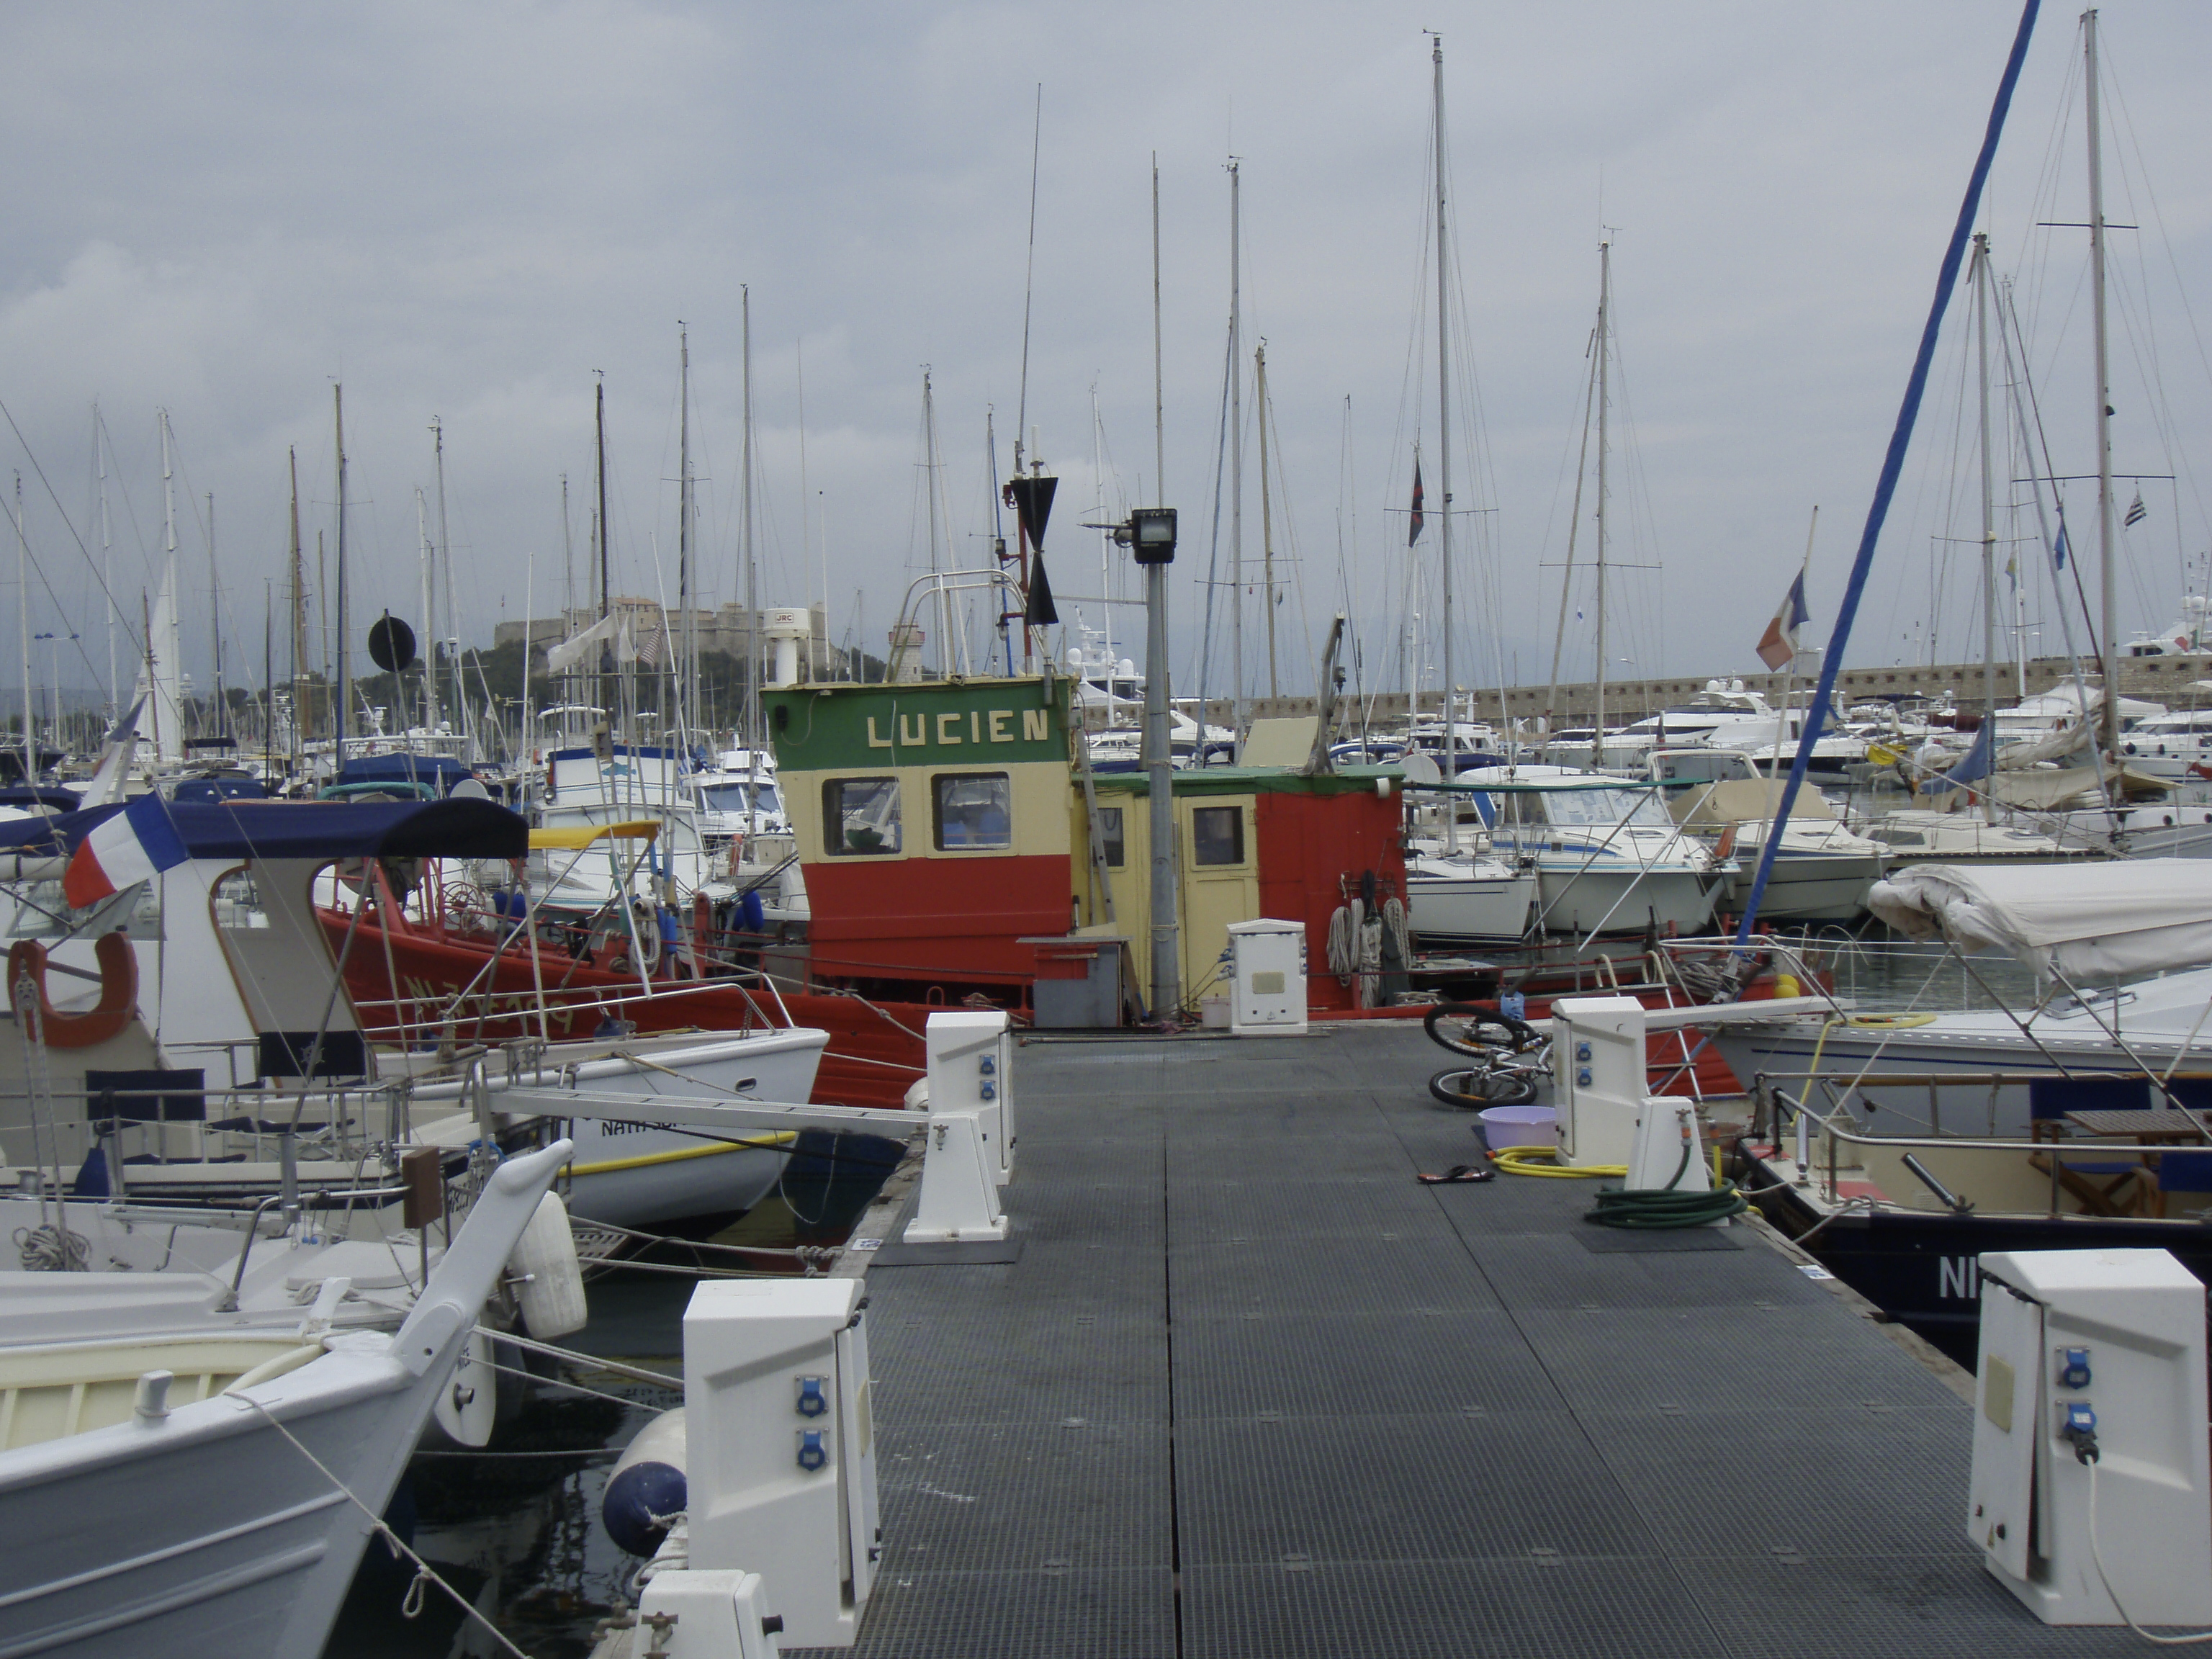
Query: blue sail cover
[442, 771]
[303, 829]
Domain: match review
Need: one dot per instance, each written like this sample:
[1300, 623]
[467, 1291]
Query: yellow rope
[1545, 1161]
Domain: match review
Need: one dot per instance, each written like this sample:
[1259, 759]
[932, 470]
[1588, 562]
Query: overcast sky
[465, 211]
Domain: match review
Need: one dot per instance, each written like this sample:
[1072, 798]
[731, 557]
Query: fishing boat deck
[1250, 1389]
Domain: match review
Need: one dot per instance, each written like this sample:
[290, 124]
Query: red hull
[875, 1050]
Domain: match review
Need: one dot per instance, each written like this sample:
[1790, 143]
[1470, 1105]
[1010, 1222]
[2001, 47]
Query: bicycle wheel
[1477, 1033]
[1472, 1090]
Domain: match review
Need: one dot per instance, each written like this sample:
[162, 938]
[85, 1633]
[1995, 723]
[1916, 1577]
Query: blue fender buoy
[647, 1489]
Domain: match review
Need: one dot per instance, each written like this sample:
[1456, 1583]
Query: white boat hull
[1444, 903]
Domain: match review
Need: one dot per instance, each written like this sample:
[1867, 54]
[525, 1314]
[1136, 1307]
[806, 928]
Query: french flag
[121, 851]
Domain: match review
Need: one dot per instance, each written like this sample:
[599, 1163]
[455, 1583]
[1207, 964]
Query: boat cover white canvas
[2094, 922]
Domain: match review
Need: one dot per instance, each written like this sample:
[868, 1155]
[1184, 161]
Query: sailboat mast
[298, 628]
[344, 726]
[444, 560]
[2111, 586]
[422, 573]
[1236, 452]
[600, 524]
[690, 680]
[1988, 514]
[216, 709]
[752, 574]
[945, 661]
[23, 626]
[166, 735]
[1604, 417]
[1443, 448]
[1267, 512]
[107, 556]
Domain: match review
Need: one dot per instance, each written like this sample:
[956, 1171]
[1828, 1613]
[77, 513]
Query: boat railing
[1777, 1111]
[942, 584]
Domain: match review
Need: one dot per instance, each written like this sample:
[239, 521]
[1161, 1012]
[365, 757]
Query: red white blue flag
[121, 851]
[1778, 644]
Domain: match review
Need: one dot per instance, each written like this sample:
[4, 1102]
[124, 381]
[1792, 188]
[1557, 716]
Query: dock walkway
[1250, 1390]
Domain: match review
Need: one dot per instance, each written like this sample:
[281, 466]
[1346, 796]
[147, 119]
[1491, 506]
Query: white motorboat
[1470, 897]
[2118, 944]
[1821, 870]
[169, 1497]
[1608, 858]
[1919, 835]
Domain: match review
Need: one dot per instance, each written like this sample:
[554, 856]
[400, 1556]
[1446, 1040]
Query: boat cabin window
[1109, 836]
[975, 811]
[1602, 808]
[860, 816]
[1217, 835]
[731, 797]
[41, 912]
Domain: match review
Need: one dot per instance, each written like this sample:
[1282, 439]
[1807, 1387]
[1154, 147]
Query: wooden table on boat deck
[2154, 1126]
[2137, 1124]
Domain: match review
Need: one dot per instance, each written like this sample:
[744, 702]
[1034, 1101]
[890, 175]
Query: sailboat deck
[1250, 1389]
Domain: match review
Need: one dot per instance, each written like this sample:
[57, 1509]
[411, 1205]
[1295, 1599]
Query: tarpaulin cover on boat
[304, 829]
[2082, 921]
[442, 770]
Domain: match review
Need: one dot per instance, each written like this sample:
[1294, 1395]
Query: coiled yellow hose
[1545, 1161]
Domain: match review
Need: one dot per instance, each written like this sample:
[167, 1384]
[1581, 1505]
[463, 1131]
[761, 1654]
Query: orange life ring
[118, 992]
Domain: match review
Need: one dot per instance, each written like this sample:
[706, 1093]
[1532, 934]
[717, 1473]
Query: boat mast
[167, 735]
[106, 558]
[1443, 453]
[752, 592]
[945, 660]
[422, 572]
[1235, 455]
[1604, 416]
[599, 522]
[344, 726]
[299, 629]
[444, 560]
[215, 627]
[1266, 511]
[1981, 276]
[690, 671]
[2111, 720]
[24, 626]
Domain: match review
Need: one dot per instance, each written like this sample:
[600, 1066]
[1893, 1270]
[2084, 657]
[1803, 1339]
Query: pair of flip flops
[1456, 1174]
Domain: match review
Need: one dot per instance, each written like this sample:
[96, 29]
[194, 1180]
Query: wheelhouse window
[1217, 835]
[975, 811]
[860, 816]
[1109, 836]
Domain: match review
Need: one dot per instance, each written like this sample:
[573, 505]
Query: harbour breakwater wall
[2168, 680]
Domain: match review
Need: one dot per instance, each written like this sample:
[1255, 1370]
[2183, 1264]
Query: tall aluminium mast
[443, 560]
[344, 728]
[299, 628]
[2111, 720]
[1443, 448]
[1604, 418]
[1981, 279]
[1236, 457]
[216, 708]
[690, 683]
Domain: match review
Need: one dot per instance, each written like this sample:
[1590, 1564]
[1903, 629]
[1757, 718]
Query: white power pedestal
[1668, 1153]
[1598, 1078]
[2108, 1344]
[1268, 978]
[781, 1448]
[970, 1153]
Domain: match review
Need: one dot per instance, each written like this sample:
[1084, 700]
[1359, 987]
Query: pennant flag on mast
[137, 842]
[2058, 547]
[1778, 644]
[1415, 519]
[2137, 513]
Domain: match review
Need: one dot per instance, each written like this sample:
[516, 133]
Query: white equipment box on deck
[2099, 1352]
[1268, 978]
[781, 1447]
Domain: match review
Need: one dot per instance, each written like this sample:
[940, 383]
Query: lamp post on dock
[1150, 535]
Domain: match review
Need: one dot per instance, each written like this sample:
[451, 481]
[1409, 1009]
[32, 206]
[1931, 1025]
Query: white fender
[550, 1287]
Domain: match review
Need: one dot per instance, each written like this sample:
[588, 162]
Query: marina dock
[1249, 1389]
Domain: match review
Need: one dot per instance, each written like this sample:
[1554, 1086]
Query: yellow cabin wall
[1209, 899]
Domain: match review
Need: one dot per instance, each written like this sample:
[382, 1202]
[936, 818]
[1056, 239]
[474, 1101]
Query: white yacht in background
[1470, 896]
[1608, 858]
[1821, 870]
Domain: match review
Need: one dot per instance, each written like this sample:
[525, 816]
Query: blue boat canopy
[304, 829]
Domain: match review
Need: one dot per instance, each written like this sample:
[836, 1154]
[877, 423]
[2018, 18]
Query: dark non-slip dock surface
[1252, 1390]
